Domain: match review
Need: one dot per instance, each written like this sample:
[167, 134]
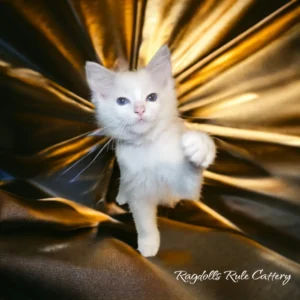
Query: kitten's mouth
[140, 124]
[141, 120]
[140, 127]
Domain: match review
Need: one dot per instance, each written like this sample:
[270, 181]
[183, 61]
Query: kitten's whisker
[96, 132]
[81, 159]
[92, 149]
[124, 128]
[92, 119]
[92, 160]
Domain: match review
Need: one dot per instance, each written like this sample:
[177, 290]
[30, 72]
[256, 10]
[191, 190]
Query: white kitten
[160, 160]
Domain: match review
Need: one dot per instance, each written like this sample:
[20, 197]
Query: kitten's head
[130, 105]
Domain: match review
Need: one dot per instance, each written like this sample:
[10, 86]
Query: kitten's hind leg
[144, 214]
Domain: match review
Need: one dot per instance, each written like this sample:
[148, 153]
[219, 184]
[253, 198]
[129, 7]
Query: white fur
[160, 160]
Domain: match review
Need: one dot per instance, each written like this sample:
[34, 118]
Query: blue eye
[122, 101]
[152, 97]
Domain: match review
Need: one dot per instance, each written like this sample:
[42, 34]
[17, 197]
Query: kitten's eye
[122, 101]
[152, 97]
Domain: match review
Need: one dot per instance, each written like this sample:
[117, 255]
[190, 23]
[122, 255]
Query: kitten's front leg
[199, 148]
[144, 214]
[122, 195]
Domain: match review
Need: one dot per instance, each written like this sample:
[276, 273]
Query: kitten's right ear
[100, 79]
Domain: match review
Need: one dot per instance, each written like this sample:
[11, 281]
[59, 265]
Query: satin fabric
[236, 65]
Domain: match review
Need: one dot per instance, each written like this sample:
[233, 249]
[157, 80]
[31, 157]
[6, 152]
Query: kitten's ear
[100, 79]
[160, 65]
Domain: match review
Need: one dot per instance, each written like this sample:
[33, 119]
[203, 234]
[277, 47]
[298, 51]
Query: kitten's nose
[139, 110]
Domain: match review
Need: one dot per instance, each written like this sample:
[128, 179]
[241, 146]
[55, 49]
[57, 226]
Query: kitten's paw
[149, 245]
[121, 200]
[199, 148]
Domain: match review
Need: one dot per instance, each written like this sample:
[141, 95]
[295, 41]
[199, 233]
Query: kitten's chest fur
[165, 150]
[159, 169]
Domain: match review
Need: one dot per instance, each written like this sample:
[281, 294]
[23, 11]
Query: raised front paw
[199, 148]
[148, 245]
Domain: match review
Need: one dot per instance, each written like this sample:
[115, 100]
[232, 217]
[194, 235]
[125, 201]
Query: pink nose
[139, 110]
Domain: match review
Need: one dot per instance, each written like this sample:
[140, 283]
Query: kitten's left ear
[160, 65]
[100, 79]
